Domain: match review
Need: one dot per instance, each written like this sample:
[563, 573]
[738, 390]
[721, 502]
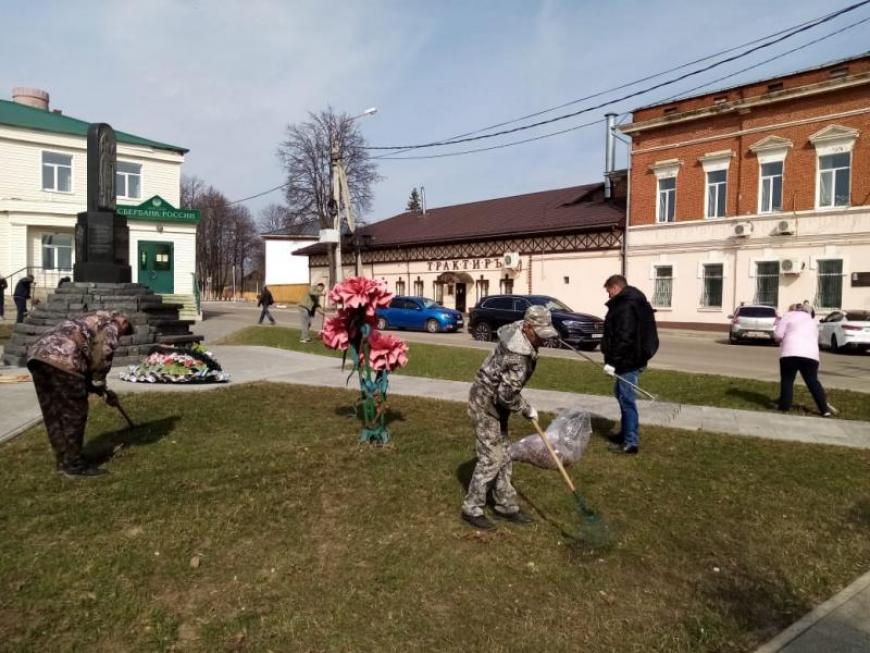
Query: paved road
[689, 351]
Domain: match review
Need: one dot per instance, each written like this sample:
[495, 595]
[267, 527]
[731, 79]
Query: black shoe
[518, 517]
[623, 449]
[82, 471]
[478, 521]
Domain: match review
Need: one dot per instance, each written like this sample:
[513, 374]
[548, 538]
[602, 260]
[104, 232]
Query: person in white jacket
[798, 337]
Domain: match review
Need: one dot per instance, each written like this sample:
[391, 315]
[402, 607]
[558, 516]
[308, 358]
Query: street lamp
[340, 194]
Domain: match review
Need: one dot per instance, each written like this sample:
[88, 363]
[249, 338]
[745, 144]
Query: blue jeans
[625, 395]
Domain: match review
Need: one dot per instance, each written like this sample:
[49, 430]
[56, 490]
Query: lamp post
[340, 193]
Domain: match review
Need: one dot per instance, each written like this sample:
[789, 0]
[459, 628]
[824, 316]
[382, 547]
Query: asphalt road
[688, 351]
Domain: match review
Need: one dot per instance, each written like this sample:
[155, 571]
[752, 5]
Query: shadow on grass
[352, 411]
[103, 447]
[752, 397]
[859, 513]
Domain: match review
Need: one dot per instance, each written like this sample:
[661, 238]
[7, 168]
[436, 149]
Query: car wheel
[834, 346]
[432, 326]
[382, 324]
[733, 339]
[482, 331]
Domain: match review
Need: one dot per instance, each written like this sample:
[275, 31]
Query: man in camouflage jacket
[494, 395]
[67, 363]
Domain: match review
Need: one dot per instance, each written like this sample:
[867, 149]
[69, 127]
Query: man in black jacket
[266, 301]
[21, 295]
[3, 284]
[630, 340]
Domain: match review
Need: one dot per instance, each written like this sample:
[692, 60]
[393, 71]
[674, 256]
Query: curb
[804, 624]
[18, 430]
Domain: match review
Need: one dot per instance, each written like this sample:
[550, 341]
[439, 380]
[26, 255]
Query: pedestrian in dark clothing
[20, 296]
[266, 301]
[67, 363]
[630, 341]
[3, 285]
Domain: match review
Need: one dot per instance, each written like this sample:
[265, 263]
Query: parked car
[752, 321]
[577, 329]
[419, 313]
[844, 329]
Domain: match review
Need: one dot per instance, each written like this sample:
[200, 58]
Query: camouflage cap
[539, 318]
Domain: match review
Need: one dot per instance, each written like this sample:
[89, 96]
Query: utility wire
[625, 114]
[643, 91]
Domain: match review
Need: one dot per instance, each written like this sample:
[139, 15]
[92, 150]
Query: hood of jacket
[629, 293]
[513, 339]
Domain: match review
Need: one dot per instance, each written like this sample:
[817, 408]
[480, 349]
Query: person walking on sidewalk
[798, 337]
[266, 301]
[3, 285]
[67, 363]
[308, 308]
[630, 341]
[20, 296]
[494, 395]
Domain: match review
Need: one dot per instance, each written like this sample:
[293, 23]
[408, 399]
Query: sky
[224, 78]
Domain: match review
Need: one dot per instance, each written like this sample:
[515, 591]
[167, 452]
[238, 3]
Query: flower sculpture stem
[373, 392]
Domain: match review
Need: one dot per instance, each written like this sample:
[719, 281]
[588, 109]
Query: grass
[576, 375]
[247, 518]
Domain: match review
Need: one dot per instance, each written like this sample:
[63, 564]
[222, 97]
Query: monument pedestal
[103, 244]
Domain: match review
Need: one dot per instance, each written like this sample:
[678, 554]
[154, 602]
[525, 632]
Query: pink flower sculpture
[386, 352]
[335, 332]
[362, 293]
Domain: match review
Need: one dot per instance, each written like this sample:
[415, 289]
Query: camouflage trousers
[493, 466]
[63, 398]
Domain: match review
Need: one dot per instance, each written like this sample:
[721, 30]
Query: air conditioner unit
[784, 227]
[791, 266]
[742, 229]
[511, 260]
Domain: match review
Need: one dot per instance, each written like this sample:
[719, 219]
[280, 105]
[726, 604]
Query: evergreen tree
[414, 201]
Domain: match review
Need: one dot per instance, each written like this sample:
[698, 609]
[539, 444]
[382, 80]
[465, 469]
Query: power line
[643, 91]
[672, 97]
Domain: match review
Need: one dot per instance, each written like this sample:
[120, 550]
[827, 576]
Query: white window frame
[666, 170]
[655, 277]
[702, 275]
[772, 149]
[715, 162]
[54, 249]
[55, 167]
[817, 299]
[761, 178]
[833, 139]
[127, 175]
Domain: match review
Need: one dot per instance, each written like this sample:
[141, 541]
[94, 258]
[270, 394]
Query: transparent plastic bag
[568, 434]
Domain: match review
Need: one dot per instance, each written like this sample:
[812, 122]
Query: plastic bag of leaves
[568, 434]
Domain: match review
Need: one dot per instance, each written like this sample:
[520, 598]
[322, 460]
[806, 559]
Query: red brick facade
[793, 107]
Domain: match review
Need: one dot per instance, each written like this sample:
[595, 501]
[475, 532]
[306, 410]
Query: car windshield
[554, 304]
[757, 311]
[858, 316]
[430, 303]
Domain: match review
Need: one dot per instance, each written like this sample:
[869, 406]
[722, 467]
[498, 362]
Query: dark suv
[577, 329]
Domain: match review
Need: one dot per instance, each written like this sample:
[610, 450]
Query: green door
[157, 266]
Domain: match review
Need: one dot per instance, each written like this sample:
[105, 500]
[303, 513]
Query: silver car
[752, 322]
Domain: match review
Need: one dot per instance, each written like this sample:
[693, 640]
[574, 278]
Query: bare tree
[274, 217]
[305, 154]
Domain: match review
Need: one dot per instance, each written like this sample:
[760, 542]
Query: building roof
[310, 229]
[578, 208]
[22, 116]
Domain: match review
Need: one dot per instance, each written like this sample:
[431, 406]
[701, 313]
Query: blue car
[419, 313]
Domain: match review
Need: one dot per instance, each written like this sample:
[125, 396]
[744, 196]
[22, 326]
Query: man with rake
[494, 395]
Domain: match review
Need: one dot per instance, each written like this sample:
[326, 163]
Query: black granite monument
[102, 236]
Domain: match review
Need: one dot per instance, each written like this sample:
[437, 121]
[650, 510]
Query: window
[834, 179]
[128, 180]
[439, 291]
[716, 191]
[482, 287]
[667, 197]
[57, 251]
[664, 286]
[771, 187]
[57, 172]
[499, 303]
[713, 274]
[829, 293]
[506, 286]
[418, 287]
[400, 287]
[767, 283]
[521, 304]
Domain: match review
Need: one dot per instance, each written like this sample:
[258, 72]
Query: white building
[43, 185]
[287, 275]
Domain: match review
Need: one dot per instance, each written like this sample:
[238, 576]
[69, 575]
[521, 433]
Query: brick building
[758, 193]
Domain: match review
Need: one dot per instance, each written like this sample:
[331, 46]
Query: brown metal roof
[578, 208]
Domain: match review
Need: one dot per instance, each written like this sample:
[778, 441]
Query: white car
[845, 329]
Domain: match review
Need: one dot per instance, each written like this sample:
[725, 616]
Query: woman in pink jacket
[798, 336]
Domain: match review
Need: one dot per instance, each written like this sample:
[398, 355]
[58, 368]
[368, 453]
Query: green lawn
[247, 518]
[577, 375]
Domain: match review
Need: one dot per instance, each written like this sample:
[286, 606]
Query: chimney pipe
[31, 97]
[609, 155]
[423, 199]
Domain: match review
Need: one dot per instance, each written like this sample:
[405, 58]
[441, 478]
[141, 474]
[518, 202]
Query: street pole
[334, 163]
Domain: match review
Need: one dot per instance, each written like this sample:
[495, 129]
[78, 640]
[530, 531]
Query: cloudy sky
[224, 77]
